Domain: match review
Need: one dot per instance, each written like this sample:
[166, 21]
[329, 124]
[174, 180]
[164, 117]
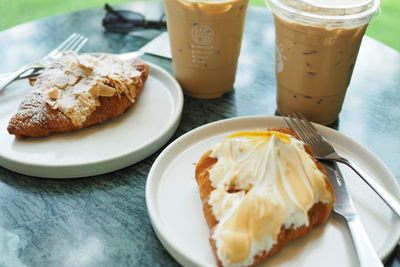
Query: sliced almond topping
[106, 90]
[52, 103]
[95, 90]
[85, 100]
[132, 91]
[53, 93]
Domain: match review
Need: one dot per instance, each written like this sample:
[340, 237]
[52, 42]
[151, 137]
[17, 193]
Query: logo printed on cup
[202, 34]
[280, 58]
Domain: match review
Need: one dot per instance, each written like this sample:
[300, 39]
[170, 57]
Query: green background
[385, 27]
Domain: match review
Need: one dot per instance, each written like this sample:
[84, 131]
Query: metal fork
[74, 43]
[323, 150]
[344, 207]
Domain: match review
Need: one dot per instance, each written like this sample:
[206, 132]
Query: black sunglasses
[124, 21]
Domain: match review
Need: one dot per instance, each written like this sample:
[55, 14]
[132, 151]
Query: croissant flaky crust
[37, 118]
[318, 214]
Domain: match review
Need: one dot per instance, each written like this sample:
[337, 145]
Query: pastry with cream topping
[261, 190]
[78, 91]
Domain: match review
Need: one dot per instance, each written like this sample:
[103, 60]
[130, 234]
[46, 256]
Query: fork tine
[80, 44]
[70, 39]
[312, 129]
[310, 138]
[72, 45]
[295, 126]
[287, 122]
[291, 124]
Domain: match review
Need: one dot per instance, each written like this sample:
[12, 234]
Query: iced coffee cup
[317, 43]
[205, 38]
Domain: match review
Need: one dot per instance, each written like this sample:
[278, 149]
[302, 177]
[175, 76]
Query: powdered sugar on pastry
[74, 83]
[263, 181]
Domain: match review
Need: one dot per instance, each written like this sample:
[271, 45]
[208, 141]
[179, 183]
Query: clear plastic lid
[334, 13]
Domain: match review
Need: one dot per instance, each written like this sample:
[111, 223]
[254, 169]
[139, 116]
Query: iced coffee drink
[205, 39]
[317, 43]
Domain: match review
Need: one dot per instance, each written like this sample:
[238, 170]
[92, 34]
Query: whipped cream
[73, 83]
[262, 181]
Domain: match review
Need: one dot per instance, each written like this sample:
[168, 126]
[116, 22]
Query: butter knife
[344, 207]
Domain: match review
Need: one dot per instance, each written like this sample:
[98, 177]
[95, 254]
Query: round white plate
[115, 144]
[175, 208]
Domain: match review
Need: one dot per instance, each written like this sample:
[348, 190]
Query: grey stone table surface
[103, 220]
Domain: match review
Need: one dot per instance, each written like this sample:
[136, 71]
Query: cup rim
[308, 18]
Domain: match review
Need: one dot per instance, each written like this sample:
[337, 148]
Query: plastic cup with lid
[317, 43]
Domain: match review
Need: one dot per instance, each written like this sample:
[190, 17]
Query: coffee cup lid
[333, 12]
[342, 4]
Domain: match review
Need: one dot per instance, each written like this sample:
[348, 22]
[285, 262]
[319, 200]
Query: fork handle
[385, 195]
[12, 76]
[367, 255]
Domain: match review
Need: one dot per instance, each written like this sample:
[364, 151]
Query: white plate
[176, 213]
[113, 145]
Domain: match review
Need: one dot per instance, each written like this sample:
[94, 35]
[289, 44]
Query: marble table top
[103, 220]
